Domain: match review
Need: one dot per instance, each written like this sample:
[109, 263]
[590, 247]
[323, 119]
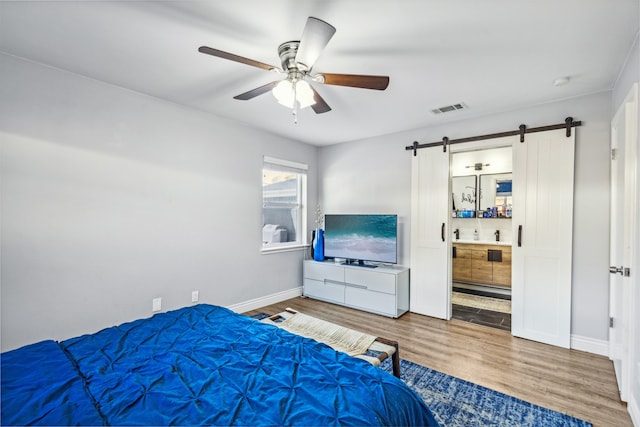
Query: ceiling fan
[298, 58]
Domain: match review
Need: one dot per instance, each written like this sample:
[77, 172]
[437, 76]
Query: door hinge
[613, 153]
[611, 322]
[627, 272]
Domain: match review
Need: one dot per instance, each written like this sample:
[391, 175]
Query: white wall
[375, 175]
[627, 77]
[111, 198]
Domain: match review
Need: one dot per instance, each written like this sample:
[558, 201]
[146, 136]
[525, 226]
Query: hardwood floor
[569, 381]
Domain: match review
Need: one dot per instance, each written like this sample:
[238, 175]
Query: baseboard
[590, 345]
[266, 300]
[483, 288]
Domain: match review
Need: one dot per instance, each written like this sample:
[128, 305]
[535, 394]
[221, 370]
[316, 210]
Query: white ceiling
[492, 55]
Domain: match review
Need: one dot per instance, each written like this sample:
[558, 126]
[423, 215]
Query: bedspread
[201, 365]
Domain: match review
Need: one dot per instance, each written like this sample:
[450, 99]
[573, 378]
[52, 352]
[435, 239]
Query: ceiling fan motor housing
[287, 52]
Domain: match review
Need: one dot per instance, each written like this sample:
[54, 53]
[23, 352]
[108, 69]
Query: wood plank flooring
[569, 381]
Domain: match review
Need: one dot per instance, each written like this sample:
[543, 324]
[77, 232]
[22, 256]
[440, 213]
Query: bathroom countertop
[481, 242]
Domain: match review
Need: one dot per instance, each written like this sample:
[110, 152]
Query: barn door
[542, 229]
[430, 260]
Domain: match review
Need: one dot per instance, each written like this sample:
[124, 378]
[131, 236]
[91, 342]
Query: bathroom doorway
[481, 223]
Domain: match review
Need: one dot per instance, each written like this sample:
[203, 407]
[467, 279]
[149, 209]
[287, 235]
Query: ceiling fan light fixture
[283, 92]
[287, 91]
[304, 94]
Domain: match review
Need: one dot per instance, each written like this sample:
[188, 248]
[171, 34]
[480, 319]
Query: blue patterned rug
[457, 402]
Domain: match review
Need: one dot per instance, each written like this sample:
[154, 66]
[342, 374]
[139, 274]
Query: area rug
[484, 303]
[456, 402]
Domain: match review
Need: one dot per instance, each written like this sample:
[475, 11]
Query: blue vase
[318, 245]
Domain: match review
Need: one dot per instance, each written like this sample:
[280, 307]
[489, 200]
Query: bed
[199, 365]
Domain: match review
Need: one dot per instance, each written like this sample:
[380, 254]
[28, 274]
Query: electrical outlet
[195, 296]
[157, 304]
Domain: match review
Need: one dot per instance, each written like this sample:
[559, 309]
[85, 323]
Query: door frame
[623, 292]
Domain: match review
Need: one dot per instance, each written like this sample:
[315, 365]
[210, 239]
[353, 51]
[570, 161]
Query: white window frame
[301, 226]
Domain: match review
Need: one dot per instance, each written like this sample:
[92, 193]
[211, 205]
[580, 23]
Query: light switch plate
[157, 304]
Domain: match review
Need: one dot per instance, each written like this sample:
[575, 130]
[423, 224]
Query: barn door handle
[442, 232]
[519, 236]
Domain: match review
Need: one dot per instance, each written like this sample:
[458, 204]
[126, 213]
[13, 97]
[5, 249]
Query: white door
[542, 229]
[622, 235]
[430, 260]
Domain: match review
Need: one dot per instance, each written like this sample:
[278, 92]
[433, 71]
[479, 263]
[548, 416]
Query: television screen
[361, 237]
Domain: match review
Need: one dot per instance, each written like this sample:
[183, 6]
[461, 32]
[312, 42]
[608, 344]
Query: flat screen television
[361, 237]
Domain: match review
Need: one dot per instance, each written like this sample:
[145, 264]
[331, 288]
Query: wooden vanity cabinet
[461, 264]
[481, 268]
[482, 264]
[502, 270]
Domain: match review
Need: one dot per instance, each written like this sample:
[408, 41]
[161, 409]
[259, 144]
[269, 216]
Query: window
[284, 198]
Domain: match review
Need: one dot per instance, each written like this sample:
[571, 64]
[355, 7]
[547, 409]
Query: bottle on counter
[476, 236]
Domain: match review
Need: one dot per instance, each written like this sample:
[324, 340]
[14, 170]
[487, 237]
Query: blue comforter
[200, 365]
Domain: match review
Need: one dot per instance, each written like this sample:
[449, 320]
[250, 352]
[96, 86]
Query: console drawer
[371, 279]
[325, 291]
[376, 302]
[323, 271]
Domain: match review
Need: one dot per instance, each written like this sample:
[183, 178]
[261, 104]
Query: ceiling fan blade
[236, 58]
[257, 91]
[320, 106]
[355, 80]
[315, 36]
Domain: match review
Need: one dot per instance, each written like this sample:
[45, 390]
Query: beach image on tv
[361, 237]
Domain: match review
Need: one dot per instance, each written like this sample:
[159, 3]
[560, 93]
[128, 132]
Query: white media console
[381, 290]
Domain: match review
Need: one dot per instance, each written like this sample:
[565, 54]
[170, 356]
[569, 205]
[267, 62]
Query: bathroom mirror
[495, 190]
[463, 189]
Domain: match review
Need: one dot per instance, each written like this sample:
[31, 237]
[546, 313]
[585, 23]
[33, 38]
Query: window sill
[278, 249]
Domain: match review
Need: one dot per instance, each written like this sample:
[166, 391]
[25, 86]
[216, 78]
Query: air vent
[448, 108]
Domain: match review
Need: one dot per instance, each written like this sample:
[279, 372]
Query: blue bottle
[318, 245]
